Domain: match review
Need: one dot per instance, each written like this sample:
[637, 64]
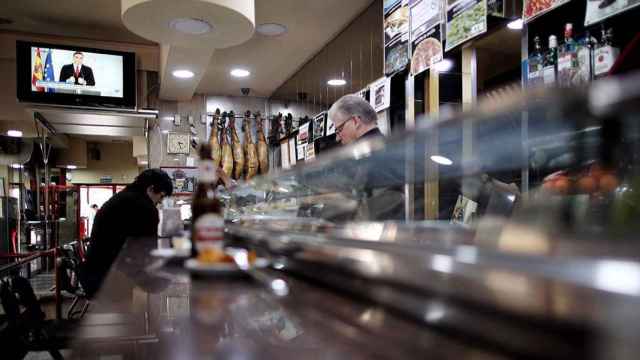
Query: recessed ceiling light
[16, 166]
[516, 24]
[271, 29]
[14, 133]
[443, 65]
[336, 82]
[183, 74]
[441, 160]
[190, 26]
[240, 73]
[165, 131]
[71, 167]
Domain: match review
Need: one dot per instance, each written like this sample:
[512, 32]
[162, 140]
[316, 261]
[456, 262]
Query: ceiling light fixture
[516, 24]
[71, 167]
[183, 74]
[190, 26]
[16, 166]
[240, 73]
[336, 82]
[438, 159]
[271, 29]
[443, 65]
[14, 133]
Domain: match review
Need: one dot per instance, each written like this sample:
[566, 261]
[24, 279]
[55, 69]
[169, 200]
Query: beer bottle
[207, 227]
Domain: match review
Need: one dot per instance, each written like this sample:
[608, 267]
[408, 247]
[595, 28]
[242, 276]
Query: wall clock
[178, 143]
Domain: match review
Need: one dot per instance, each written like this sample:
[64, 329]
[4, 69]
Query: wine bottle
[536, 64]
[549, 70]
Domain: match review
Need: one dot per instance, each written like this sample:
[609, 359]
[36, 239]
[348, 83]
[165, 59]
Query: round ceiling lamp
[240, 73]
[336, 82]
[190, 26]
[14, 133]
[271, 29]
[183, 74]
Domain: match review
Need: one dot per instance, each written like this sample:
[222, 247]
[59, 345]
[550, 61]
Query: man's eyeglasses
[340, 127]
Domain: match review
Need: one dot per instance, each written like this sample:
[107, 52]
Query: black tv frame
[24, 74]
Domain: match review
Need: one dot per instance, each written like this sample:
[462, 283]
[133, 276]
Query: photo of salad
[465, 20]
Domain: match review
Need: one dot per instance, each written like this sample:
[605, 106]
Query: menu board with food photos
[495, 7]
[424, 15]
[389, 5]
[427, 50]
[598, 10]
[292, 151]
[284, 154]
[396, 38]
[319, 122]
[466, 19]
[535, 8]
[380, 94]
[303, 133]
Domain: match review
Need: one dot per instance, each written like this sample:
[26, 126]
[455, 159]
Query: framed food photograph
[184, 179]
[466, 19]
[427, 50]
[319, 125]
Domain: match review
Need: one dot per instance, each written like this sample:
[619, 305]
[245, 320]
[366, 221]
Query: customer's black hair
[157, 178]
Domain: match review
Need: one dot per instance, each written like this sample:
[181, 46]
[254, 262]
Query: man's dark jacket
[86, 73]
[128, 214]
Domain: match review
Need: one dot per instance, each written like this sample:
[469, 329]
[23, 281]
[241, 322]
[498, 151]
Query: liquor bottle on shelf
[567, 58]
[549, 69]
[604, 54]
[584, 50]
[536, 63]
[207, 229]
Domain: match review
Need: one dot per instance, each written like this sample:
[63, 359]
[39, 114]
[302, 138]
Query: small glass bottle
[549, 70]
[207, 222]
[536, 64]
[567, 58]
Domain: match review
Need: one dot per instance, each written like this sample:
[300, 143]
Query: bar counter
[150, 308]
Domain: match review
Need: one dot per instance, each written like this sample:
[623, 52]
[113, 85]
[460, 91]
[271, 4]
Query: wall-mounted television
[76, 76]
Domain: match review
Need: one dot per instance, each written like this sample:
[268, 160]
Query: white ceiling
[311, 24]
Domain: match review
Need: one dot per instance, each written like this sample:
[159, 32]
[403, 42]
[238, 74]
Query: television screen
[75, 76]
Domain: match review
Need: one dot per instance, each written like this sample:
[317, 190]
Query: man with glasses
[128, 214]
[377, 183]
[354, 119]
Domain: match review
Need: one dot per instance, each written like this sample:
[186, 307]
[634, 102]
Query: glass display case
[515, 226]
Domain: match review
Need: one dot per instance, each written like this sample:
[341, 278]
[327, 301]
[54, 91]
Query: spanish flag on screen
[37, 72]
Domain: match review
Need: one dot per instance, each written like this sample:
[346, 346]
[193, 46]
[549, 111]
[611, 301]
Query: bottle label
[565, 69]
[583, 69]
[207, 172]
[604, 58]
[209, 228]
[549, 75]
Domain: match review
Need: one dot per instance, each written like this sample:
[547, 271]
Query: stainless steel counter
[164, 313]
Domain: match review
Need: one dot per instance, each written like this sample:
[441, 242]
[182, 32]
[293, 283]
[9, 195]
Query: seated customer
[130, 213]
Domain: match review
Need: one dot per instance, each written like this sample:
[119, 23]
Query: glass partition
[563, 164]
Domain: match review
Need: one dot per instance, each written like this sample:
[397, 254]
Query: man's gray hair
[353, 105]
